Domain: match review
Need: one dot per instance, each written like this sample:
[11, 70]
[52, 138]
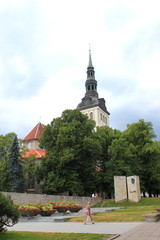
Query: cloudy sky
[44, 51]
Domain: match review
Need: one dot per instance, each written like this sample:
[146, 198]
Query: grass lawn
[53, 236]
[133, 212]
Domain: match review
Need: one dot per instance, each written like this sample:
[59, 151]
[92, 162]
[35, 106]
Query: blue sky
[44, 56]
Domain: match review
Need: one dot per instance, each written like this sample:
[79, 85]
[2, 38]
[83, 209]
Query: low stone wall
[152, 217]
[22, 198]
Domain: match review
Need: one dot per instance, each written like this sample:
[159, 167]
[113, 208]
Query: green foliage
[5, 144]
[71, 154]
[5, 184]
[8, 213]
[147, 155]
[29, 170]
[15, 167]
[81, 160]
[105, 135]
[132, 152]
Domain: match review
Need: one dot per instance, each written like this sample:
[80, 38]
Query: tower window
[92, 87]
[91, 115]
[88, 88]
[101, 116]
[29, 145]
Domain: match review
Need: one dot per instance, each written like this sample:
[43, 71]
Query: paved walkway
[126, 230]
[145, 231]
[101, 228]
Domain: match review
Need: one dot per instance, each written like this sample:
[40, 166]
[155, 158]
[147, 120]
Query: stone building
[91, 105]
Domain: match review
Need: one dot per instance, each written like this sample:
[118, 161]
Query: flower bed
[30, 209]
[61, 209]
[47, 212]
[74, 208]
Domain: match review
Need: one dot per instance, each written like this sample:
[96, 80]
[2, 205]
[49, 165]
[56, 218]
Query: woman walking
[88, 213]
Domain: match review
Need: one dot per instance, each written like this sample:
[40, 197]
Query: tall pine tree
[15, 167]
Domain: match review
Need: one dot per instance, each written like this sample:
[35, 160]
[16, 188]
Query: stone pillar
[120, 188]
[133, 188]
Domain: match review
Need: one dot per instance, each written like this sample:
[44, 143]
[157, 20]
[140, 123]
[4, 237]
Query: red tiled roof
[39, 153]
[35, 133]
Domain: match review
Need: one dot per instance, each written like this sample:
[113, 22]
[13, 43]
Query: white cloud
[44, 56]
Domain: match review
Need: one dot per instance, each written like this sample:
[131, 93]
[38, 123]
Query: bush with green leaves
[9, 213]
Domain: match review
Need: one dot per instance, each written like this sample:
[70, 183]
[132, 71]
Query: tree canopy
[5, 145]
[135, 152]
[81, 160]
[71, 154]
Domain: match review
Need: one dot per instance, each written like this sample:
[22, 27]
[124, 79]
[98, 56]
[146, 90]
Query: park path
[56, 223]
[145, 231]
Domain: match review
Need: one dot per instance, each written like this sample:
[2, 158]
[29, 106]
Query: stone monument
[133, 186]
[120, 188]
[127, 188]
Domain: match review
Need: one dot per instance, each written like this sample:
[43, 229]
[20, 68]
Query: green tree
[141, 135]
[5, 184]
[15, 167]
[71, 154]
[136, 153]
[121, 161]
[29, 170]
[105, 135]
[151, 168]
[8, 213]
[5, 144]
[132, 152]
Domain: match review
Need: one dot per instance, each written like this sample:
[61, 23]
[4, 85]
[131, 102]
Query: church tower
[91, 105]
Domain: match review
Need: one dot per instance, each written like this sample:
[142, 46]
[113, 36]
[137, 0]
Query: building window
[101, 116]
[91, 115]
[29, 145]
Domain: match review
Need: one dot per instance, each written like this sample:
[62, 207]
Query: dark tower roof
[90, 60]
[91, 96]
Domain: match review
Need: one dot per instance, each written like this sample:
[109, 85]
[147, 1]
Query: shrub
[9, 214]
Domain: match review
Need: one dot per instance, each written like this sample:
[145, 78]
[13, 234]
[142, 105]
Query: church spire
[91, 105]
[91, 83]
[90, 59]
